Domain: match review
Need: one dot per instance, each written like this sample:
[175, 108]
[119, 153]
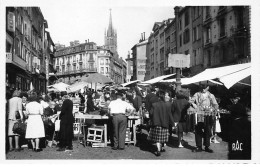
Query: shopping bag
[218, 128]
[57, 125]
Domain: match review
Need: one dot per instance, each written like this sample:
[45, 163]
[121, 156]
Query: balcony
[68, 63]
[207, 43]
[222, 35]
[221, 11]
[80, 61]
[207, 20]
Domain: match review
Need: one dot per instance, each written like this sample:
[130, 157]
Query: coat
[149, 100]
[179, 110]
[161, 114]
[137, 102]
[66, 120]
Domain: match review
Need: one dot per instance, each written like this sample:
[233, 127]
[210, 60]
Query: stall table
[131, 122]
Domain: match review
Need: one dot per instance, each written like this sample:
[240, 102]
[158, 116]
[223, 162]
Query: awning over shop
[59, 86]
[129, 83]
[228, 75]
[157, 79]
[77, 86]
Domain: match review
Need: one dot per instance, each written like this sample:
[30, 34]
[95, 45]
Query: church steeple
[111, 36]
[110, 30]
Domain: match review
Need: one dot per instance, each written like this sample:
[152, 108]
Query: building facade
[139, 59]
[25, 49]
[129, 73]
[72, 62]
[212, 35]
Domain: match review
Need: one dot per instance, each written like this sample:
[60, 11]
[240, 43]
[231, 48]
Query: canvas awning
[216, 73]
[59, 86]
[129, 83]
[155, 80]
[231, 79]
[77, 86]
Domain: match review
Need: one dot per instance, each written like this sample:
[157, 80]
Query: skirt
[35, 127]
[158, 134]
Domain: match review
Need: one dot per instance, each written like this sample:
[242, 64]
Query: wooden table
[82, 118]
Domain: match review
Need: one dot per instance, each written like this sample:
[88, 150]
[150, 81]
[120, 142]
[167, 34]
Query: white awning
[157, 79]
[59, 86]
[131, 82]
[231, 79]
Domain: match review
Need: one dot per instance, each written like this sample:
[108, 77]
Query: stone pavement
[143, 151]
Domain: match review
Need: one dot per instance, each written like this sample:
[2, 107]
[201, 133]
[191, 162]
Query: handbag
[19, 128]
[17, 115]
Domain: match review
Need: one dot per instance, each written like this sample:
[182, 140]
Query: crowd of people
[162, 110]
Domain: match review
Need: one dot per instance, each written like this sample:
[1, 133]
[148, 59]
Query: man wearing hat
[117, 109]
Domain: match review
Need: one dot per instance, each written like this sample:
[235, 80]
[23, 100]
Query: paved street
[143, 152]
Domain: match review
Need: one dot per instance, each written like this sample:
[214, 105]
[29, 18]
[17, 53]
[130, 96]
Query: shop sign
[179, 60]
[8, 57]
[11, 22]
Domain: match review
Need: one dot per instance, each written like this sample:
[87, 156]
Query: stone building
[212, 35]
[26, 49]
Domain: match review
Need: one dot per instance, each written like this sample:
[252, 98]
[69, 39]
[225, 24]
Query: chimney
[86, 41]
[144, 36]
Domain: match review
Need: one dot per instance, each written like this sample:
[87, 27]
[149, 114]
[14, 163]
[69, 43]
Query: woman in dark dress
[66, 125]
[179, 112]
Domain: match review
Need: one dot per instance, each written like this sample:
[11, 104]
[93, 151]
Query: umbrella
[96, 78]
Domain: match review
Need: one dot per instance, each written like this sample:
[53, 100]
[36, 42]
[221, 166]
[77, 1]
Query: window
[222, 27]
[180, 37]
[101, 61]
[107, 62]
[186, 36]
[194, 34]
[91, 57]
[186, 52]
[208, 35]
[207, 12]
[195, 55]
[180, 25]
[187, 18]
[161, 38]
[209, 58]
[197, 33]
[102, 70]
[106, 70]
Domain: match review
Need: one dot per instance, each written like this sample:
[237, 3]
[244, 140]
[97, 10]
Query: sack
[19, 128]
[218, 128]
[57, 125]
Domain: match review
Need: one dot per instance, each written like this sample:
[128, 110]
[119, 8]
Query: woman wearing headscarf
[161, 120]
[35, 127]
[66, 125]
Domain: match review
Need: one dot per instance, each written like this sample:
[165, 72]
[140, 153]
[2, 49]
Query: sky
[81, 22]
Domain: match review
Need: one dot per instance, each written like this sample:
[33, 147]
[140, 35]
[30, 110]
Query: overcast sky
[78, 21]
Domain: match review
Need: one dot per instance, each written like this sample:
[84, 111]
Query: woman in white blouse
[35, 127]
